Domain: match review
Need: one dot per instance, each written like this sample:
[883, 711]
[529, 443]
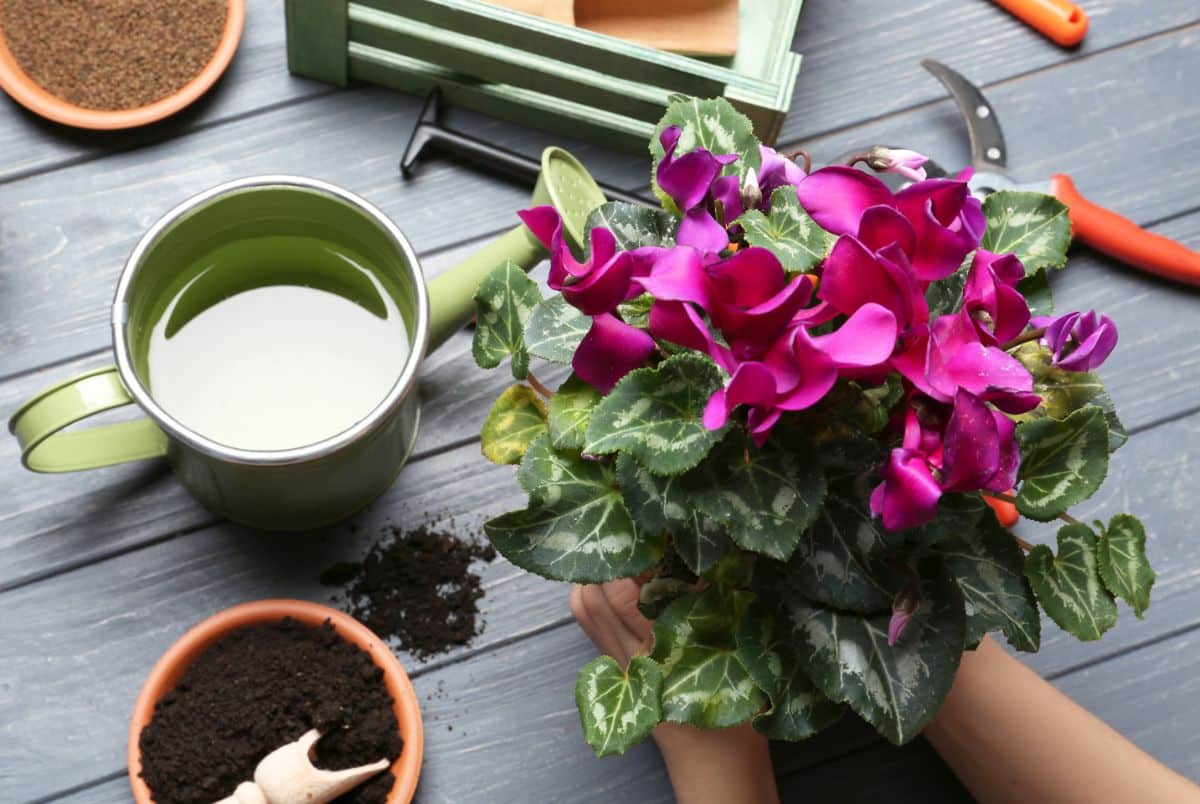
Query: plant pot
[170, 668]
[27, 92]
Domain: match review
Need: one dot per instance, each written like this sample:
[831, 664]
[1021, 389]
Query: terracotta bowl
[166, 674]
[27, 92]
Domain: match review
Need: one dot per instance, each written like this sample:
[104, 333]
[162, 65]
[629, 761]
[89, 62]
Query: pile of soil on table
[416, 587]
[258, 689]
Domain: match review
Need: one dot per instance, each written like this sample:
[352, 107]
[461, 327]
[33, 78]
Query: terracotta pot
[170, 668]
[27, 92]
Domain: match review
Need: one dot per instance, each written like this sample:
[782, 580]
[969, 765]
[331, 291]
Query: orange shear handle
[1120, 237]
[1060, 20]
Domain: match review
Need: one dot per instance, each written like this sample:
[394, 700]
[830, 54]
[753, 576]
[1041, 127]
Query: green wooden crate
[337, 41]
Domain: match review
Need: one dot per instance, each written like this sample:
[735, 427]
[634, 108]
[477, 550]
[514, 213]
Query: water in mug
[296, 356]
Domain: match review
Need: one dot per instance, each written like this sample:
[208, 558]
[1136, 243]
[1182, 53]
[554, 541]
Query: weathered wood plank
[516, 701]
[861, 56]
[110, 620]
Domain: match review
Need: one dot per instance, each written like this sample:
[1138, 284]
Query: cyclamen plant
[794, 396]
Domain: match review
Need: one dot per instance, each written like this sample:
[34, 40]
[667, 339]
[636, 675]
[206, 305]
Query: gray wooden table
[100, 572]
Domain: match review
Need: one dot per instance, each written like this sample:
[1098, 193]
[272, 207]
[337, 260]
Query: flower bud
[751, 193]
[897, 160]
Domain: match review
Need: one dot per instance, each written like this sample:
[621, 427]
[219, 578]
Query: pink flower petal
[543, 221]
[908, 495]
[867, 338]
[837, 196]
[972, 450]
[678, 275]
[679, 322]
[700, 230]
[609, 351]
[854, 277]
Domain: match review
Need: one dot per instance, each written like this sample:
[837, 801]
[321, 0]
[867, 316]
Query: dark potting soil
[416, 587]
[113, 54]
[258, 689]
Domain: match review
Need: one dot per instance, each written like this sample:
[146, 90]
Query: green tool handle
[39, 423]
[452, 293]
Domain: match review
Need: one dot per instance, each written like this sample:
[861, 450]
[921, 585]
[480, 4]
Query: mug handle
[39, 422]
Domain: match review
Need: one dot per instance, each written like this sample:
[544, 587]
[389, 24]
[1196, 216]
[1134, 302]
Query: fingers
[608, 615]
[622, 596]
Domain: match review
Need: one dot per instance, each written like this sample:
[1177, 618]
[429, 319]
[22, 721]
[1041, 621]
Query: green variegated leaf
[704, 682]
[636, 311]
[710, 124]
[555, 329]
[841, 562]
[898, 689]
[515, 420]
[503, 303]
[1124, 567]
[989, 568]
[576, 527]
[1068, 585]
[1062, 462]
[788, 232]
[569, 410]
[956, 513]
[1064, 392]
[765, 496]
[945, 295]
[665, 503]
[798, 709]
[618, 709]
[703, 544]
[659, 592]
[1033, 226]
[654, 415]
[1036, 290]
[634, 225]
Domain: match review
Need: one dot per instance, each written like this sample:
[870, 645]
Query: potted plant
[797, 398]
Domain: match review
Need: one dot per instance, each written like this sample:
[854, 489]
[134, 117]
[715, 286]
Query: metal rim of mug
[319, 449]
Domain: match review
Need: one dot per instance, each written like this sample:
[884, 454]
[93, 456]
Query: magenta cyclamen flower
[694, 181]
[611, 348]
[934, 223]
[991, 300]
[775, 171]
[1080, 341]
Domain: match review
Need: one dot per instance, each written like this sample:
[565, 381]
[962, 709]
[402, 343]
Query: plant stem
[800, 152]
[537, 386]
[1025, 337]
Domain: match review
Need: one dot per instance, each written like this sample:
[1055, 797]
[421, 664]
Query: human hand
[729, 766]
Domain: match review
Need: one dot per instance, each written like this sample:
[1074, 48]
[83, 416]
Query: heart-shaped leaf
[515, 420]
[576, 527]
[555, 329]
[841, 561]
[989, 568]
[665, 504]
[618, 708]
[896, 688]
[1064, 392]
[634, 225]
[503, 303]
[798, 709]
[765, 497]
[1124, 567]
[945, 296]
[1034, 226]
[1063, 462]
[654, 414]
[1035, 288]
[704, 682]
[1069, 586]
[570, 408]
[788, 232]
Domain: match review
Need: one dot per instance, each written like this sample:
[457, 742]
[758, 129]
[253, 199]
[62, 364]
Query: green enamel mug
[299, 487]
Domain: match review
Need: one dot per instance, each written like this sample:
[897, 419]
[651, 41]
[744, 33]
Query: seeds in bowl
[111, 55]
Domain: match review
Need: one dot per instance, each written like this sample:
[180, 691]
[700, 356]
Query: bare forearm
[1011, 736]
[732, 766]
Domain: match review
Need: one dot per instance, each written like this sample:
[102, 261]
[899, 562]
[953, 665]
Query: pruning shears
[1100, 228]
